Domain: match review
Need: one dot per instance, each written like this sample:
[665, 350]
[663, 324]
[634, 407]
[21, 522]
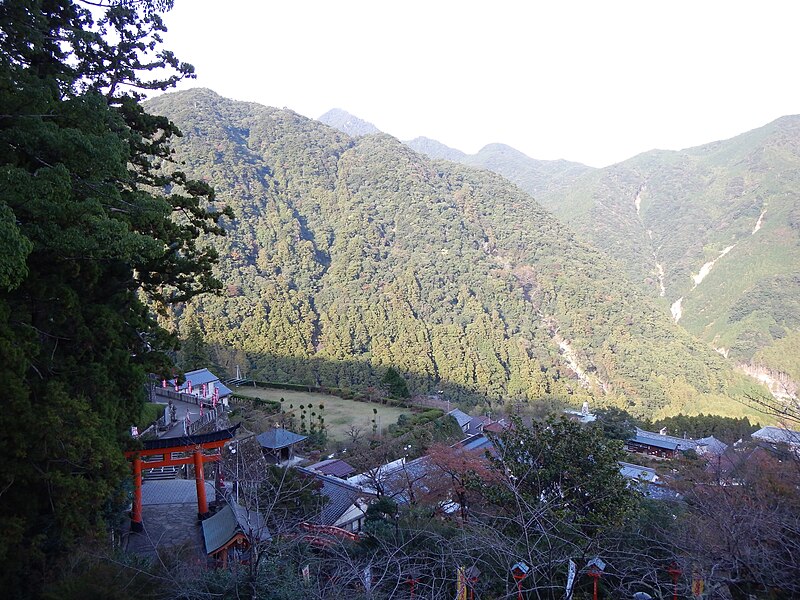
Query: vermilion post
[472, 582]
[595, 575]
[412, 583]
[136, 511]
[519, 585]
[199, 479]
[674, 572]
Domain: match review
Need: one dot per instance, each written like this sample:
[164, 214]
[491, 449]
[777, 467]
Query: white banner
[570, 578]
[368, 578]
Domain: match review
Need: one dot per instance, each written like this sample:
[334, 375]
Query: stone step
[160, 473]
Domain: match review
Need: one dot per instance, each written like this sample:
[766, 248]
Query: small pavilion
[278, 444]
[231, 532]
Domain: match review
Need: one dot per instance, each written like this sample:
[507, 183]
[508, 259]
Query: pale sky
[591, 81]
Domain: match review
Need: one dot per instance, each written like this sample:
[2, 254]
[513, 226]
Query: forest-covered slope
[351, 255]
[712, 232]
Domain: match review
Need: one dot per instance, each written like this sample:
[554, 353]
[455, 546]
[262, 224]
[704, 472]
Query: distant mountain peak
[435, 149]
[347, 123]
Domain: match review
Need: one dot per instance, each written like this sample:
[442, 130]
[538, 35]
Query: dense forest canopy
[88, 245]
[355, 255]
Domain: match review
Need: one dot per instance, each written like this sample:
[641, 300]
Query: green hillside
[351, 255]
[736, 201]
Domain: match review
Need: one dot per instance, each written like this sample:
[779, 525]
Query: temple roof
[277, 438]
[231, 520]
[191, 440]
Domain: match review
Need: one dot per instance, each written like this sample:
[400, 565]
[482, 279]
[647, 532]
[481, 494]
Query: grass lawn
[339, 413]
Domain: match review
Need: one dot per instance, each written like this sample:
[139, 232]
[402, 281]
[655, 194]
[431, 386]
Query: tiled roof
[678, 443]
[496, 427]
[412, 473]
[173, 491]
[277, 438]
[477, 442]
[711, 445]
[656, 443]
[460, 416]
[221, 528]
[191, 440]
[198, 378]
[224, 390]
[382, 472]
[339, 496]
[476, 424]
[776, 435]
[334, 466]
[639, 472]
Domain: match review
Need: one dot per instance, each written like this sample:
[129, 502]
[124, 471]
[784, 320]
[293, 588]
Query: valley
[350, 255]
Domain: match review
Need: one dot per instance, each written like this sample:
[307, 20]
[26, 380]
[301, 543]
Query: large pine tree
[93, 232]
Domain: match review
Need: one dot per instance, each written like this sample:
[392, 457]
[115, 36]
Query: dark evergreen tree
[89, 239]
[194, 352]
[616, 423]
[395, 383]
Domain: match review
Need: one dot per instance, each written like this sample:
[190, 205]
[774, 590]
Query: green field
[339, 413]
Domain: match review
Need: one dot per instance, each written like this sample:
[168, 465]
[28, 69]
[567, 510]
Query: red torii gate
[194, 445]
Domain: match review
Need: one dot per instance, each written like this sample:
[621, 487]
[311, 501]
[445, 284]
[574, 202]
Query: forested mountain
[713, 233]
[353, 254]
[534, 176]
[347, 123]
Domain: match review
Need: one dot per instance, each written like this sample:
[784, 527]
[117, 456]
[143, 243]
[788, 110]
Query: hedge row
[345, 393]
[271, 406]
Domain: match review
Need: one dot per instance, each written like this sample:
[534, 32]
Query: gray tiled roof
[680, 443]
[477, 442]
[334, 466]
[413, 472]
[638, 472]
[460, 416]
[476, 424]
[339, 497]
[711, 445]
[776, 435]
[198, 378]
[277, 438]
[657, 443]
[220, 528]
